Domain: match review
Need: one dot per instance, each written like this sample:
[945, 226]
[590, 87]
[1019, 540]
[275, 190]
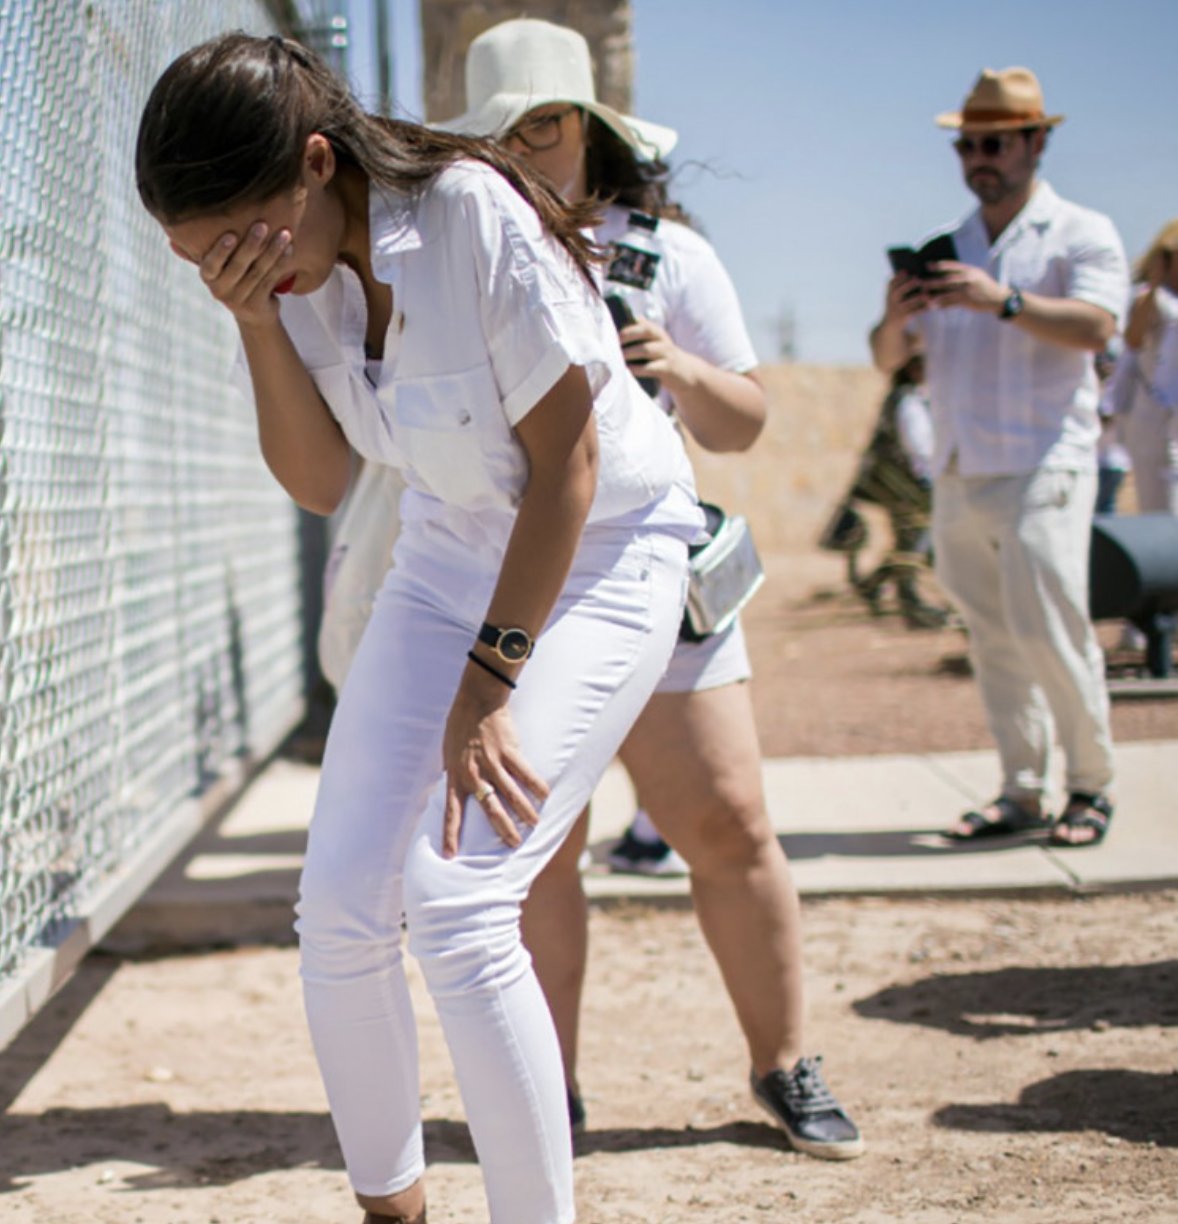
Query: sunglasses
[543, 132]
[989, 146]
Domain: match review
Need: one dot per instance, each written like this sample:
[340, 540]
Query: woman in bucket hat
[693, 753]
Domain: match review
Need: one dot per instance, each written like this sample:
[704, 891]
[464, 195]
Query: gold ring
[483, 791]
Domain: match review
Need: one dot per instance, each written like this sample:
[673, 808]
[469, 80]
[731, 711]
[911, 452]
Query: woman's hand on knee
[482, 760]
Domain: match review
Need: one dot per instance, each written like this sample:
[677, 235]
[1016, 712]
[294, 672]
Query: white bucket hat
[518, 65]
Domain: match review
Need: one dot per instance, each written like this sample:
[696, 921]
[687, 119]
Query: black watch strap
[511, 645]
[1013, 305]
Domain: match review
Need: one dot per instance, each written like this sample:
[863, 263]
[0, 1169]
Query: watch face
[514, 645]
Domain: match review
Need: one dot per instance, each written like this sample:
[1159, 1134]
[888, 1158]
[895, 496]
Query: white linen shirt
[488, 312]
[1003, 402]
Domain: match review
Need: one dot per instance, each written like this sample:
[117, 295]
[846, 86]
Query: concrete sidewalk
[851, 826]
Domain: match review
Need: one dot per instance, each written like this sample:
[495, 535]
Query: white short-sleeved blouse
[488, 312]
[1004, 402]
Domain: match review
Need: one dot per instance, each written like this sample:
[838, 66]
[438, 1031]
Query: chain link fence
[150, 620]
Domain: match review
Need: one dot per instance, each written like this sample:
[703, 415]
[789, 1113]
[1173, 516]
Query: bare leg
[555, 927]
[696, 764]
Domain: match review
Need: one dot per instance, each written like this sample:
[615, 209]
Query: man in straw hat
[1010, 329]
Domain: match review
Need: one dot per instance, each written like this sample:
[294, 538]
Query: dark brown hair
[228, 123]
[614, 174]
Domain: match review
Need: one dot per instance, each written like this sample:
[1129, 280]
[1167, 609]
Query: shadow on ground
[1033, 1001]
[183, 1150]
[28, 1051]
[893, 843]
[1136, 1106]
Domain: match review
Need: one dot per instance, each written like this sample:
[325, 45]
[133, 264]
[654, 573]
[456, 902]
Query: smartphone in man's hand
[917, 262]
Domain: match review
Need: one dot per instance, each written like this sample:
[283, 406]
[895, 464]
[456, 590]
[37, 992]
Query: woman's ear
[319, 159]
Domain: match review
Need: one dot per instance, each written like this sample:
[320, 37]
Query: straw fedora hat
[518, 65]
[999, 101]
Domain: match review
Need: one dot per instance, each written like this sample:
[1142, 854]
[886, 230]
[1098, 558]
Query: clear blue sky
[816, 120]
[814, 123]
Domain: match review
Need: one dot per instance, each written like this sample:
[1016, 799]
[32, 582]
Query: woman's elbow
[744, 427]
[753, 427]
[324, 507]
[321, 492]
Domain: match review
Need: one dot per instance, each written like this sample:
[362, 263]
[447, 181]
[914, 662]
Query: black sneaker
[634, 856]
[803, 1106]
[576, 1112]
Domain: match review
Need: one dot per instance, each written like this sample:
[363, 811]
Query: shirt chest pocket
[455, 440]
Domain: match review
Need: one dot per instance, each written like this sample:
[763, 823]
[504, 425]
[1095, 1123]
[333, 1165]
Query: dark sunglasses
[988, 146]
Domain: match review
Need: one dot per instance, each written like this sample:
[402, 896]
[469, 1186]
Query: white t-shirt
[1003, 402]
[489, 312]
[692, 296]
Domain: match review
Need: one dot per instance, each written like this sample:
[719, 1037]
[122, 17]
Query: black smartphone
[623, 316]
[619, 310]
[916, 262]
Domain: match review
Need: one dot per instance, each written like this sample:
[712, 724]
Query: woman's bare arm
[560, 438]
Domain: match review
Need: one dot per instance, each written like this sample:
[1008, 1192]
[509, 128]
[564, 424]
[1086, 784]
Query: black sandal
[1012, 818]
[1084, 811]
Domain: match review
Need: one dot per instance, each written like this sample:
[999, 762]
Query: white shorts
[715, 662]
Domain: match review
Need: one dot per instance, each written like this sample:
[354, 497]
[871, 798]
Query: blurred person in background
[895, 474]
[1147, 415]
[1112, 458]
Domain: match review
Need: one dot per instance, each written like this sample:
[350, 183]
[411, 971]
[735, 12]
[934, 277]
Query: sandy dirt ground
[1008, 1060]
[831, 680]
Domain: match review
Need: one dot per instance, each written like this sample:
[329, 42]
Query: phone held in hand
[623, 316]
[619, 310]
[916, 262]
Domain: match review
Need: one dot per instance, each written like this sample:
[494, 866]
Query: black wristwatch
[1013, 306]
[511, 645]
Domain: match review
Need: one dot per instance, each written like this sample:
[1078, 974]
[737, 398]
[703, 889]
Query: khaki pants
[1012, 551]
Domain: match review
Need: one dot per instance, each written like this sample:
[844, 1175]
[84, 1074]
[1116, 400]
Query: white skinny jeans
[1013, 551]
[374, 855]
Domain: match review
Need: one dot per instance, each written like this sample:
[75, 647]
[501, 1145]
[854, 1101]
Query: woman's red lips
[285, 286]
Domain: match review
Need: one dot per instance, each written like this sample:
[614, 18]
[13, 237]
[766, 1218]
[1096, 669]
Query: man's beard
[990, 186]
